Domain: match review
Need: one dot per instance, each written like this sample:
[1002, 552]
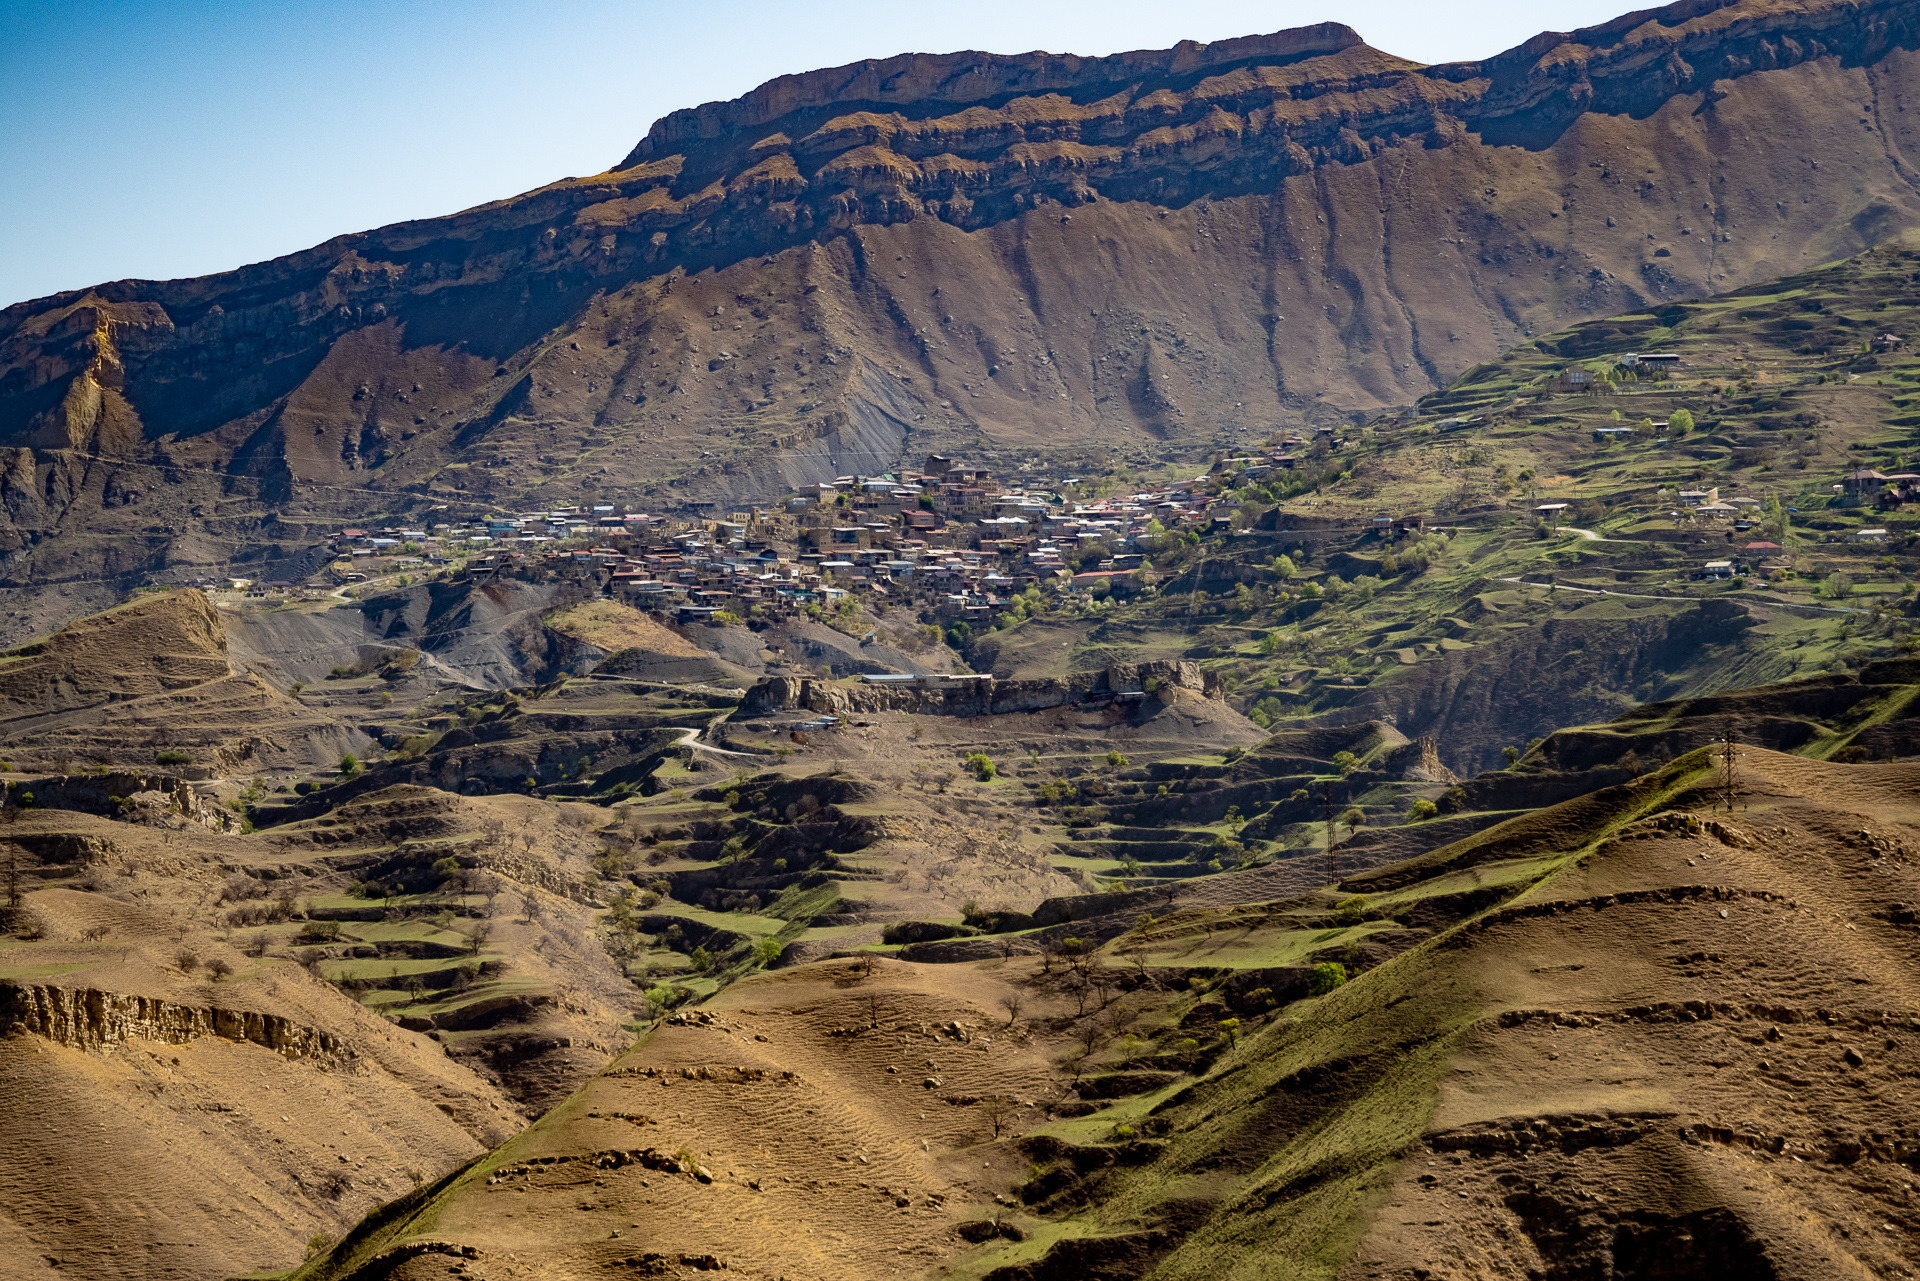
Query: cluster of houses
[1885, 489]
[1286, 457]
[948, 538]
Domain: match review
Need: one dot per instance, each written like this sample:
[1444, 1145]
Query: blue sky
[162, 140]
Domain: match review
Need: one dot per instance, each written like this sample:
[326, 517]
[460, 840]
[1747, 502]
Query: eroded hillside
[1527, 1085]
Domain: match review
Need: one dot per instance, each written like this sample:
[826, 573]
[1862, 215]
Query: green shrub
[172, 756]
[1326, 976]
[982, 766]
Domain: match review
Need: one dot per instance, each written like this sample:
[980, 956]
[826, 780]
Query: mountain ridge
[1306, 233]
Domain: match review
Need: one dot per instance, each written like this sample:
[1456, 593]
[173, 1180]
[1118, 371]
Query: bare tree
[14, 897]
[998, 1109]
[1093, 1034]
[1013, 1003]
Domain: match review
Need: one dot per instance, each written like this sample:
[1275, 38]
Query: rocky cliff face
[93, 1020]
[967, 251]
[941, 697]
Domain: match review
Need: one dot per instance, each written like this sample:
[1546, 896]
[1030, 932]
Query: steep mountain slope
[965, 250]
[179, 1101]
[1530, 1087]
[1558, 575]
[154, 676]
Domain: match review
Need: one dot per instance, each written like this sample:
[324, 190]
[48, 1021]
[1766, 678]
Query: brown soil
[1682, 1055]
[220, 1154]
[142, 1146]
[117, 688]
[612, 626]
[823, 1161]
[1681, 1082]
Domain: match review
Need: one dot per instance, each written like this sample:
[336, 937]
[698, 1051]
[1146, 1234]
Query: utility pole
[1727, 778]
[1326, 794]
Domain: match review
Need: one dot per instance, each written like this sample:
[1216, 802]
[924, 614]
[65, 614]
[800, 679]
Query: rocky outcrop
[93, 1020]
[132, 797]
[1122, 683]
[1418, 761]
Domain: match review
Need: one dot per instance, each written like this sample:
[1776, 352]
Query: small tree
[1680, 422]
[1230, 1029]
[701, 959]
[1326, 976]
[997, 1109]
[349, 765]
[1355, 818]
[767, 951]
[982, 766]
[1345, 762]
[218, 968]
[1422, 809]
